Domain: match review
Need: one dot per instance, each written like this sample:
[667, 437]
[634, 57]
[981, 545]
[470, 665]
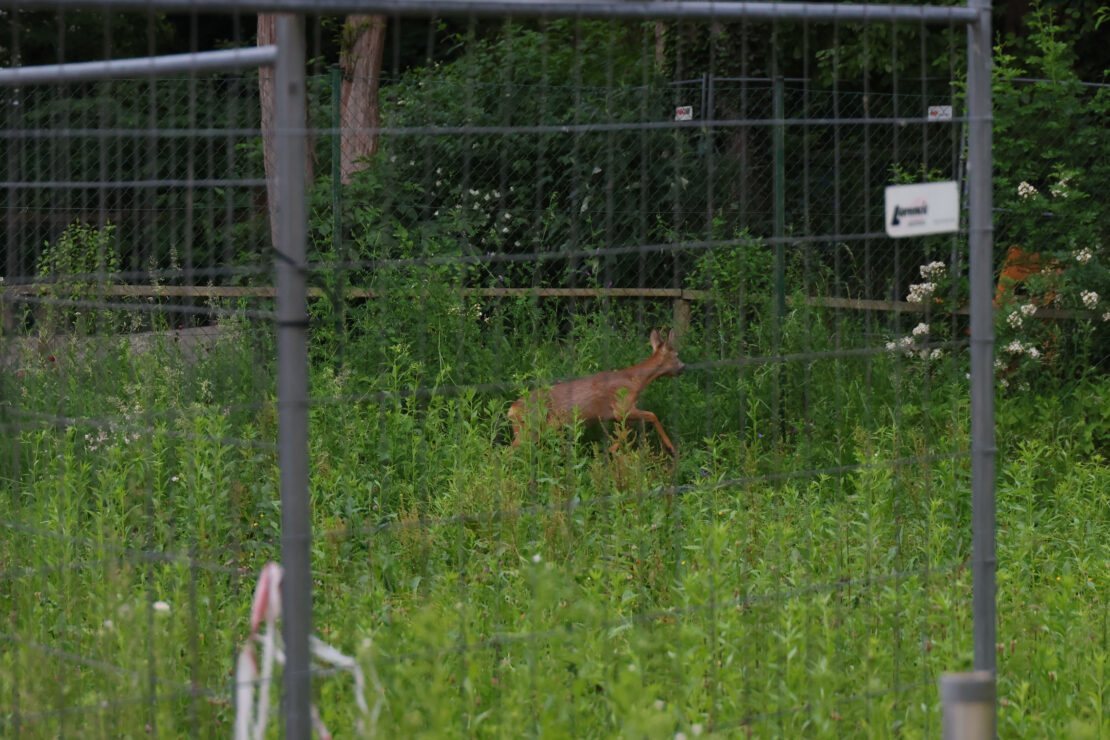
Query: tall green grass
[799, 570]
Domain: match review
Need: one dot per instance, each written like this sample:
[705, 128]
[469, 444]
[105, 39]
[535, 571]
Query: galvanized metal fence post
[779, 177]
[980, 232]
[292, 373]
[337, 209]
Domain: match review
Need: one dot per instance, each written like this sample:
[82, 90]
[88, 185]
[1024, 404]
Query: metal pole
[703, 114]
[292, 372]
[980, 232]
[336, 210]
[780, 200]
[200, 61]
[721, 10]
[779, 184]
[336, 151]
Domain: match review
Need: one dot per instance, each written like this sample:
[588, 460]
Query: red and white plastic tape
[253, 679]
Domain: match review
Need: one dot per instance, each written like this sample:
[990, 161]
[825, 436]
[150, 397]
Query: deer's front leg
[638, 415]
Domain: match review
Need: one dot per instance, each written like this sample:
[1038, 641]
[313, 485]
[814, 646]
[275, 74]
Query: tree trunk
[360, 112]
[267, 35]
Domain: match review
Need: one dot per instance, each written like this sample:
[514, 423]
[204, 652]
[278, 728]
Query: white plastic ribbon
[253, 681]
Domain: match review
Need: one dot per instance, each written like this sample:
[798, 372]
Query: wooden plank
[225, 291]
[675, 294]
[861, 304]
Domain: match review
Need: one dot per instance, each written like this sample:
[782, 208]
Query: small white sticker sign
[922, 208]
[940, 113]
[684, 113]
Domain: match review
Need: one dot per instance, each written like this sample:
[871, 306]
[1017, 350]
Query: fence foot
[968, 705]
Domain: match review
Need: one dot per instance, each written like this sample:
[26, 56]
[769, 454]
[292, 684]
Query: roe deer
[606, 396]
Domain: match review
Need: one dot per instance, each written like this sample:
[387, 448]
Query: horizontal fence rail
[633, 9]
[262, 56]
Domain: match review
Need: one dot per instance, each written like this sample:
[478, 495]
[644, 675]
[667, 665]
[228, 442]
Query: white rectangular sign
[684, 113]
[922, 208]
[940, 113]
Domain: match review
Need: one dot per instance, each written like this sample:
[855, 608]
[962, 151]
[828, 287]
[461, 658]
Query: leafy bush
[458, 186]
[1048, 185]
[76, 268]
[1051, 227]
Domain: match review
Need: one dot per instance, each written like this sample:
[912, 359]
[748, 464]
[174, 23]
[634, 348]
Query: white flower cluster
[499, 222]
[1106, 316]
[102, 437]
[1017, 347]
[1083, 256]
[491, 195]
[1090, 299]
[905, 344]
[96, 441]
[908, 345]
[1061, 189]
[1017, 318]
[1026, 191]
[920, 292]
[933, 270]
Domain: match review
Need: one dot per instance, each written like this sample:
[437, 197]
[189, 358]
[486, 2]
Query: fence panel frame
[292, 292]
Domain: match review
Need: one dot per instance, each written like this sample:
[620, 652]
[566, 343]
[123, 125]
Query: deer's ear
[670, 337]
[656, 340]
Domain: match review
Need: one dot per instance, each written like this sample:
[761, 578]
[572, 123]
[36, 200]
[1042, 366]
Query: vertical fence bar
[336, 148]
[292, 371]
[703, 112]
[780, 198]
[980, 232]
[778, 138]
[340, 309]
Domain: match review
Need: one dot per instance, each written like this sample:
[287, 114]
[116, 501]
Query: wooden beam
[226, 291]
[681, 297]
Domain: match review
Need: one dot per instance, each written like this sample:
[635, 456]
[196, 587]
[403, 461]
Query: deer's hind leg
[516, 418]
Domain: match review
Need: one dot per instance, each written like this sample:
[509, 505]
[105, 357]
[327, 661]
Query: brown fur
[606, 396]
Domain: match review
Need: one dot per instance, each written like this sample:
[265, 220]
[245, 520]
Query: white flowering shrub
[921, 292]
[1050, 220]
[1026, 191]
[935, 297]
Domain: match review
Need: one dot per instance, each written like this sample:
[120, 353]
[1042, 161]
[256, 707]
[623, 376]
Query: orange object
[1016, 269]
[605, 396]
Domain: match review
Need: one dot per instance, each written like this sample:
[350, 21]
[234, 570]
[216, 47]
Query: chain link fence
[538, 200]
[718, 169]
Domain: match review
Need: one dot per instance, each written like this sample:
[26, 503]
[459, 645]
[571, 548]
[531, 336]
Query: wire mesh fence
[523, 202]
